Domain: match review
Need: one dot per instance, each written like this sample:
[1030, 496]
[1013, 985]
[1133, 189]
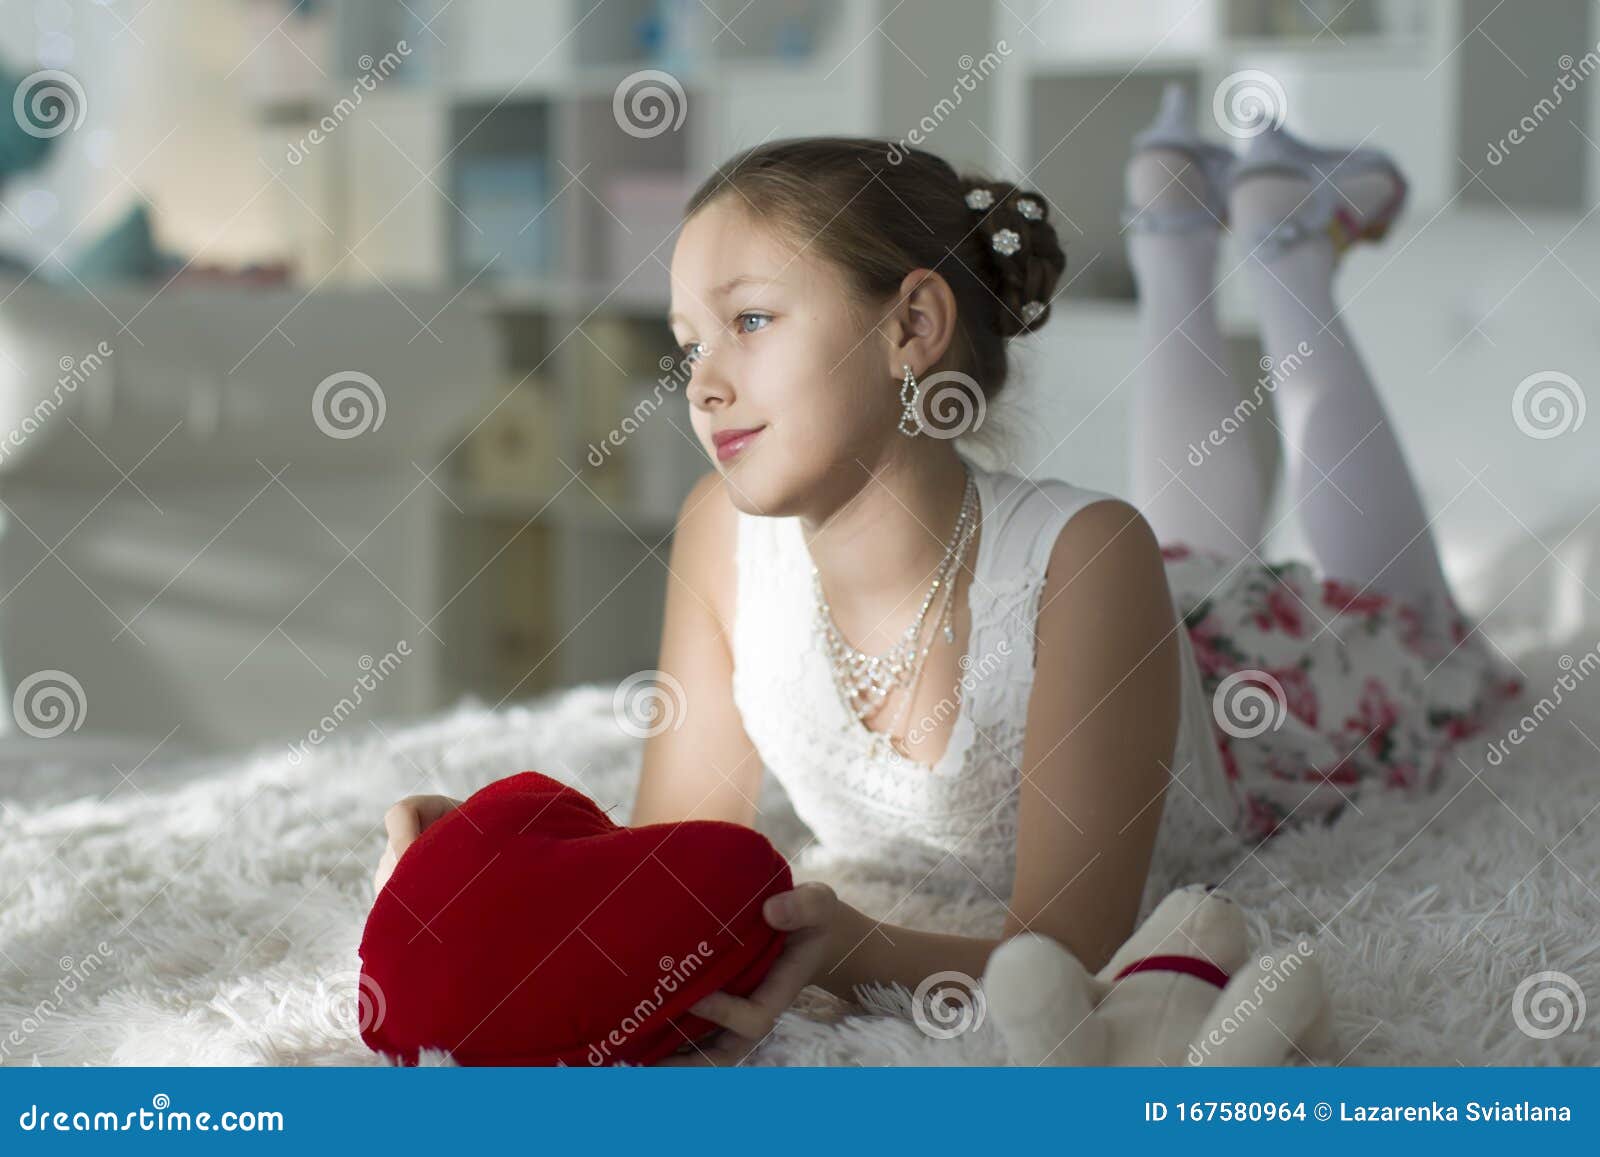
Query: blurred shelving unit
[536, 157]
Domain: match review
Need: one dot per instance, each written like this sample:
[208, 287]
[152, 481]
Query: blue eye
[754, 317]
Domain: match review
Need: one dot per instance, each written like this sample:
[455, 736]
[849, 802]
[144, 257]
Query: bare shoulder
[704, 537]
[1105, 527]
[1106, 564]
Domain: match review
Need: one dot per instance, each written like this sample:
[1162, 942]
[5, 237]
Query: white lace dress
[957, 819]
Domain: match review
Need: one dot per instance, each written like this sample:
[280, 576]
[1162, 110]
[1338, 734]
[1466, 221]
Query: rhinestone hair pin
[1008, 241]
[1005, 241]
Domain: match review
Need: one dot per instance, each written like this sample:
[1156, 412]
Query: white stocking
[1347, 477]
[1183, 390]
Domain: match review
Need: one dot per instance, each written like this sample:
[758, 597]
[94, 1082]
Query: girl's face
[782, 353]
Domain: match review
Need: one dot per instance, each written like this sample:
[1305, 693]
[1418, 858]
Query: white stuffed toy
[1183, 990]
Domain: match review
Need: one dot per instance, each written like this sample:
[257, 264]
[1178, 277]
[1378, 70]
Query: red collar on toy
[1192, 965]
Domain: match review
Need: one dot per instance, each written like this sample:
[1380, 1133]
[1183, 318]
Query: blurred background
[331, 333]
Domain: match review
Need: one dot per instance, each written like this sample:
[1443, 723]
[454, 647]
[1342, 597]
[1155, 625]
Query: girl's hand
[405, 821]
[814, 918]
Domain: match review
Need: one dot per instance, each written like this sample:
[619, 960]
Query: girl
[989, 679]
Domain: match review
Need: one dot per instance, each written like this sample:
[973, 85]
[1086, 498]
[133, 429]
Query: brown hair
[879, 210]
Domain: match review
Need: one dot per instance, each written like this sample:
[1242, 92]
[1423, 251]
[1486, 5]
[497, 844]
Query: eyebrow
[727, 287]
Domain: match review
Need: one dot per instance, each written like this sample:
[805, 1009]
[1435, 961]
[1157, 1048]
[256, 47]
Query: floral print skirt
[1323, 695]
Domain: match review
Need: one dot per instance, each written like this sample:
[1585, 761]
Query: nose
[707, 388]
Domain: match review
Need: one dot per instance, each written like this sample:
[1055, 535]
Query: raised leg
[1184, 405]
[1347, 476]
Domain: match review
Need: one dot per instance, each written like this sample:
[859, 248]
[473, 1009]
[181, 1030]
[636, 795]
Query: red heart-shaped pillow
[526, 928]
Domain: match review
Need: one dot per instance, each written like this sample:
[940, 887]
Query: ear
[920, 322]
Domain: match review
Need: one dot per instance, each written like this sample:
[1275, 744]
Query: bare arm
[707, 768]
[1102, 726]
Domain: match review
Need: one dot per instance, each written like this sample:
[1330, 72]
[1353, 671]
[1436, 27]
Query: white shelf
[558, 295]
[577, 514]
[1349, 48]
[1115, 63]
[1352, 51]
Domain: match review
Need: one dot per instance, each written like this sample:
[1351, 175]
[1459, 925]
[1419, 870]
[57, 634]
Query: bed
[207, 912]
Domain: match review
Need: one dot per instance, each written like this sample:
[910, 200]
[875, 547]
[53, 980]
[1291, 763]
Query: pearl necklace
[865, 681]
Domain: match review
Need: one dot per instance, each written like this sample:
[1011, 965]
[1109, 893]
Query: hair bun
[1030, 272]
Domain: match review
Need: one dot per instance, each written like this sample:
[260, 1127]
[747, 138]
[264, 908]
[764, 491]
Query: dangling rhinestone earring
[910, 423]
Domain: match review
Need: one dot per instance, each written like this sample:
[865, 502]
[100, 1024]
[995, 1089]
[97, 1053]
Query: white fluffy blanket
[209, 913]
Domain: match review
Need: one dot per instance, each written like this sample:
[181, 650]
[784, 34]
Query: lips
[732, 442]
